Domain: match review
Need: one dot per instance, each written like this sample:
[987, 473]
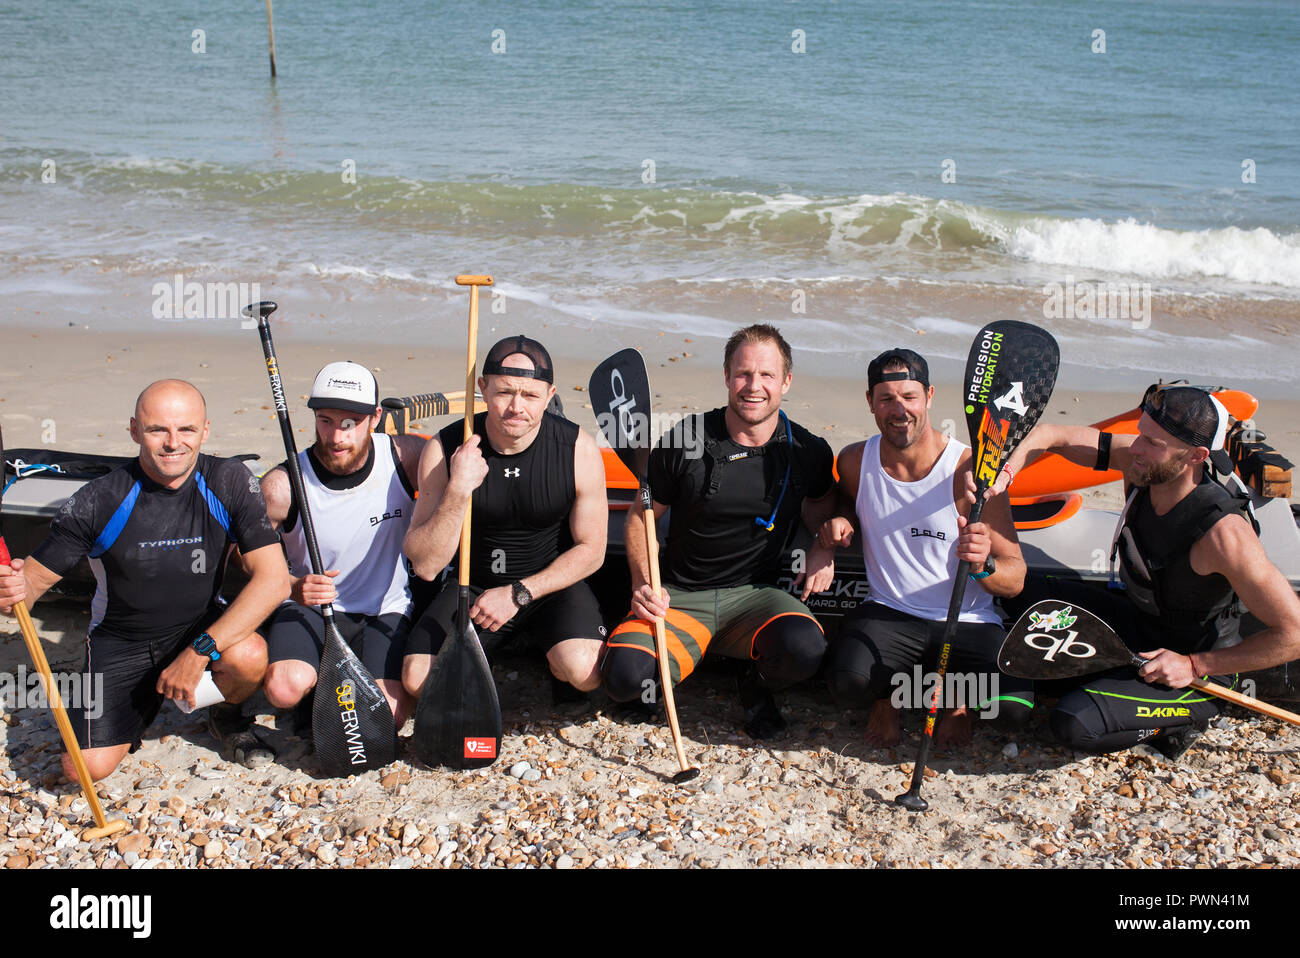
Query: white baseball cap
[347, 386]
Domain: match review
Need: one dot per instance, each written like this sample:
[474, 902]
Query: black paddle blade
[458, 718]
[1010, 374]
[620, 398]
[1055, 640]
[350, 720]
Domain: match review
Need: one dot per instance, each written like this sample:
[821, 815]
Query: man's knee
[789, 649]
[850, 688]
[1071, 732]
[577, 662]
[626, 672]
[246, 658]
[100, 762]
[287, 682]
[415, 669]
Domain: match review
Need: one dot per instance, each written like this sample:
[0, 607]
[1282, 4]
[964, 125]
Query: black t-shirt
[521, 510]
[157, 554]
[719, 489]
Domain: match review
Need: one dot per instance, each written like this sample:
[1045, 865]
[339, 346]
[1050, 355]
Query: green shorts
[722, 621]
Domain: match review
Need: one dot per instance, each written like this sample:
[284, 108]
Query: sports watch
[519, 592]
[990, 567]
[204, 645]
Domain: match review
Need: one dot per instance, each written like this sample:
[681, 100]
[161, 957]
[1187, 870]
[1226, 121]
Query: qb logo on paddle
[480, 748]
[1056, 621]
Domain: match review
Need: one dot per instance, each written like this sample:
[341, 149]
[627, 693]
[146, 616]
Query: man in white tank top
[911, 490]
[361, 489]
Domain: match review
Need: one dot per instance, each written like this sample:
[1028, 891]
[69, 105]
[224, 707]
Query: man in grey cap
[908, 492]
[360, 487]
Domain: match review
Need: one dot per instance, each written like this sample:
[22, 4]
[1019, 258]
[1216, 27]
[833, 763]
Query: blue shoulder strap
[116, 523]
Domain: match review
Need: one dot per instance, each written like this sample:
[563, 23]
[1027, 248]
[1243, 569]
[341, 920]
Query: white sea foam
[1141, 249]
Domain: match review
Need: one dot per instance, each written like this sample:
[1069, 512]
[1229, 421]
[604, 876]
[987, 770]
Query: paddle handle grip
[473, 279]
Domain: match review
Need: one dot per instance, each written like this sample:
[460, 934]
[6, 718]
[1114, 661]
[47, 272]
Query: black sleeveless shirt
[521, 510]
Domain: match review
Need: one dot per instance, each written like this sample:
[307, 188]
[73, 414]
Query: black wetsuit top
[157, 553]
[1175, 607]
[717, 493]
[521, 510]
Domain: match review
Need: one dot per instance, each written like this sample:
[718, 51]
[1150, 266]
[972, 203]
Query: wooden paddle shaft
[661, 640]
[471, 361]
[33, 642]
[1246, 701]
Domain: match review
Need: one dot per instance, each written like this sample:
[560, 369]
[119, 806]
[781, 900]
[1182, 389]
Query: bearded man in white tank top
[361, 489]
[908, 492]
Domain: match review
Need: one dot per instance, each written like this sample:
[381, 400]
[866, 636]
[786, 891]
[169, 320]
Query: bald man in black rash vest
[157, 531]
[539, 524]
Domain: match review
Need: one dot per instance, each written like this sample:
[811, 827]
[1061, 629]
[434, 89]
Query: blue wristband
[204, 645]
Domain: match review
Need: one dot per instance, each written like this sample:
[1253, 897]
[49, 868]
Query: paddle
[1053, 640]
[33, 643]
[1009, 378]
[620, 395]
[458, 718]
[351, 722]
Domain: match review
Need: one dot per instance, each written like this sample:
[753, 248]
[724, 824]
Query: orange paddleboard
[1053, 473]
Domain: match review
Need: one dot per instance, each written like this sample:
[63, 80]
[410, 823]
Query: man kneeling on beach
[910, 490]
[157, 532]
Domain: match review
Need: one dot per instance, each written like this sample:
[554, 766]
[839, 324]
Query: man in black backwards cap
[540, 521]
[908, 491]
[1185, 552]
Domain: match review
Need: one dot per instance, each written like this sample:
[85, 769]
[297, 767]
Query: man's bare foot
[882, 727]
[954, 728]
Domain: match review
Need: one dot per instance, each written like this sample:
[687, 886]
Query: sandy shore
[586, 787]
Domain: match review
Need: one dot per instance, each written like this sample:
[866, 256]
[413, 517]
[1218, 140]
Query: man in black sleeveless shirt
[738, 480]
[1185, 554]
[157, 532]
[540, 519]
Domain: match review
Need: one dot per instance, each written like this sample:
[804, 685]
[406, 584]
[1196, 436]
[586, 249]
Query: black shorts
[128, 700]
[297, 633]
[876, 643]
[571, 613]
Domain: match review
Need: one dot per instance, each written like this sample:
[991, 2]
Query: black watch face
[522, 595]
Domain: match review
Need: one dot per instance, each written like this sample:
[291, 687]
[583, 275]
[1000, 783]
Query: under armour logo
[512, 473]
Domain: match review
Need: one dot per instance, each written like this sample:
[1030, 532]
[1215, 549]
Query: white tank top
[360, 532]
[909, 539]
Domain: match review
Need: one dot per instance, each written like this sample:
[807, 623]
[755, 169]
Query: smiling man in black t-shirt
[737, 479]
[157, 531]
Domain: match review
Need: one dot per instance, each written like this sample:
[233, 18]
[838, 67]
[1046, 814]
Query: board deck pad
[458, 718]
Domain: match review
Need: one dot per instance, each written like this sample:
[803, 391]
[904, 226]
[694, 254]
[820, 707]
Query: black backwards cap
[916, 368]
[1189, 414]
[542, 367]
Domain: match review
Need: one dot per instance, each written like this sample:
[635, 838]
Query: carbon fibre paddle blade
[1056, 640]
[351, 723]
[458, 718]
[620, 398]
[1010, 373]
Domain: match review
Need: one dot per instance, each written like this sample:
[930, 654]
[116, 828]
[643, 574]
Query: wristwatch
[990, 567]
[519, 592]
[204, 645]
